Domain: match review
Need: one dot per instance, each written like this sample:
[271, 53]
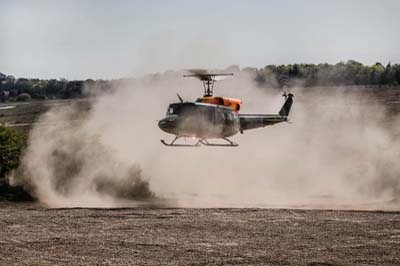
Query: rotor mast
[208, 87]
[208, 81]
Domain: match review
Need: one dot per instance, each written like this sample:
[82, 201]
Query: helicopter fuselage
[200, 120]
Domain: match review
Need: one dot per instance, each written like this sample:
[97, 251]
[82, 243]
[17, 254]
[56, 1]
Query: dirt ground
[33, 235]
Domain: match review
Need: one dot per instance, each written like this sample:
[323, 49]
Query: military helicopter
[214, 117]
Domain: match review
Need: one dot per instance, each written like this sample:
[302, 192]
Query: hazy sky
[110, 39]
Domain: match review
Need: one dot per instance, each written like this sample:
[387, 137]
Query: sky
[112, 39]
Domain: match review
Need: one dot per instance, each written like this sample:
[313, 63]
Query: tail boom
[255, 121]
[251, 121]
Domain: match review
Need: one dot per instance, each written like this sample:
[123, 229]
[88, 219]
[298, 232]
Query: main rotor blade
[203, 74]
[221, 77]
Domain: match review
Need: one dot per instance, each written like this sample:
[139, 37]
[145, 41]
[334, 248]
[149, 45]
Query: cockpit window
[179, 109]
[171, 110]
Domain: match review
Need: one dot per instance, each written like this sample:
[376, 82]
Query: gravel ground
[33, 235]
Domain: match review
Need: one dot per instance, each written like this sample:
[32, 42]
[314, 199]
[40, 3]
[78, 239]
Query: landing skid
[200, 141]
[172, 144]
[230, 143]
[180, 145]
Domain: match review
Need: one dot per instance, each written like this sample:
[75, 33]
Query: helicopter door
[229, 119]
[211, 116]
[205, 117]
[220, 120]
[219, 116]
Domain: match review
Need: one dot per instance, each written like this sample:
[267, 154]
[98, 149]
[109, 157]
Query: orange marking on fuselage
[234, 104]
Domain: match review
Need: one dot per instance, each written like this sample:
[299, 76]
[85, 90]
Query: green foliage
[12, 144]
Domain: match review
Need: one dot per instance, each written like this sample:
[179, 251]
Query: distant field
[22, 112]
[23, 115]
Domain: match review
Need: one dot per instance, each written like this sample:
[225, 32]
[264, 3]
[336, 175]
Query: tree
[8, 83]
[389, 75]
[22, 85]
[397, 71]
[377, 74]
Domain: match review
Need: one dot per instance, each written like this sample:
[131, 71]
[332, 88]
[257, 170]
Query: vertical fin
[287, 105]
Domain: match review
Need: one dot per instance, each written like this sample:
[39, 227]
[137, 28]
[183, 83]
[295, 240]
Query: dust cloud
[337, 151]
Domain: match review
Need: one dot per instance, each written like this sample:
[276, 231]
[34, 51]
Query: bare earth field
[33, 235]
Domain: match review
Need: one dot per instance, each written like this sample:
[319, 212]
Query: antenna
[180, 98]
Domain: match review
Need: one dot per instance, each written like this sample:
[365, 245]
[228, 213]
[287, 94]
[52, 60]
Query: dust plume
[339, 151]
[66, 164]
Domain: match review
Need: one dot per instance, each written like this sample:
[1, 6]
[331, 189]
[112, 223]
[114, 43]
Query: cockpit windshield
[178, 108]
[173, 109]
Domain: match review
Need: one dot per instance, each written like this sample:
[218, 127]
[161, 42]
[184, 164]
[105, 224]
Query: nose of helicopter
[167, 124]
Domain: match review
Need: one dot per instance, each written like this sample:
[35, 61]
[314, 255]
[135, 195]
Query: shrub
[12, 145]
[23, 97]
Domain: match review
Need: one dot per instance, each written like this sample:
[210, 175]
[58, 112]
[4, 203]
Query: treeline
[351, 73]
[341, 74]
[23, 89]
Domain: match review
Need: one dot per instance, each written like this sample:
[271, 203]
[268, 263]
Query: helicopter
[214, 117]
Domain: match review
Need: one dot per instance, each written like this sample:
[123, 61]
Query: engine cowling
[232, 103]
